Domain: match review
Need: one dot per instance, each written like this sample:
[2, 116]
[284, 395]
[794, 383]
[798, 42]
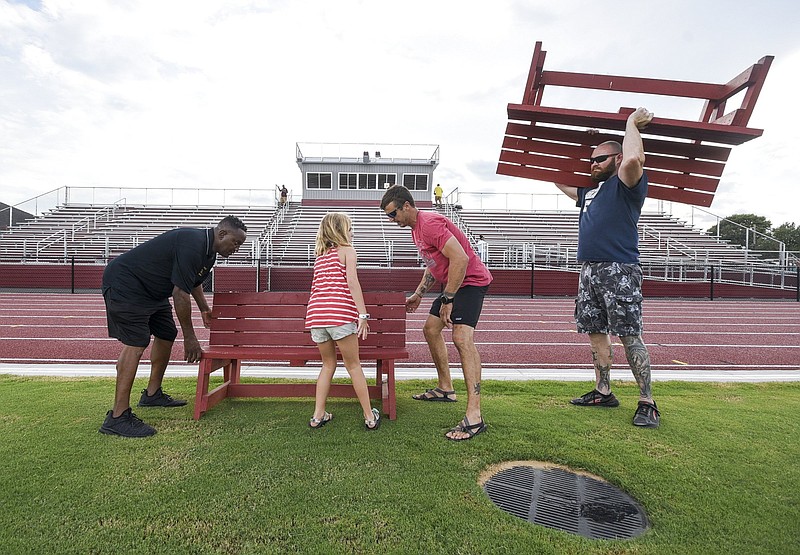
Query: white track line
[519, 374]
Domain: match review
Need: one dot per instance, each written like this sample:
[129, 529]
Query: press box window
[319, 181]
[415, 181]
[348, 181]
[366, 180]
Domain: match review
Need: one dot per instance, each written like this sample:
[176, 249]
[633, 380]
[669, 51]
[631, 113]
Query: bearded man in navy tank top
[609, 298]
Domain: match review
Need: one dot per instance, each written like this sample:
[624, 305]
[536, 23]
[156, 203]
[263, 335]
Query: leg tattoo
[639, 361]
[477, 388]
[603, 371]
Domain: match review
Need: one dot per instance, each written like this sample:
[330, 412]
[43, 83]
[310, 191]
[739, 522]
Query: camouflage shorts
[609, 299]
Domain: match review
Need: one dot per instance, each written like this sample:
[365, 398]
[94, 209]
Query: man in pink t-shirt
[451, 260]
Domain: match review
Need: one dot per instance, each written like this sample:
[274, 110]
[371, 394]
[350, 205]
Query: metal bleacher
[96, 233]
[516, 238]
[285, 236]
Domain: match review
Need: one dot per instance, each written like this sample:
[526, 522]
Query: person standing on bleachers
[284, 195]
[137, 286]
[483, 249]
[437, 194]
[451, 260]
[610, 286]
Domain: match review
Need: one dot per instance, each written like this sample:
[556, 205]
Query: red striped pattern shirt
[330, 303]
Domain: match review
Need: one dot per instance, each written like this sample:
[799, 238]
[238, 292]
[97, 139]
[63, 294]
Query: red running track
[513, 332]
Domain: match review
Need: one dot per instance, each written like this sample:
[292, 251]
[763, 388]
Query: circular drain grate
[561, 499]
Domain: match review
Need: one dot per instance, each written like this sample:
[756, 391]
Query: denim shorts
[335, 333]
[609, 299]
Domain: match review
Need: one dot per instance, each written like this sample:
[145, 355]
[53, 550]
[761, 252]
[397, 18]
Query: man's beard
[606, 173]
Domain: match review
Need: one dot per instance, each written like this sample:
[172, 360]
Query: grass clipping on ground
[722, 472]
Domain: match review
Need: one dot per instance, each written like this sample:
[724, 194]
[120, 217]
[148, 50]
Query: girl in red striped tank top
[337, 315]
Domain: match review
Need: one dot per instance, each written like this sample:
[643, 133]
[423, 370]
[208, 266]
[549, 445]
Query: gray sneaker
[159, 399]
[647, 415]
[126, 424]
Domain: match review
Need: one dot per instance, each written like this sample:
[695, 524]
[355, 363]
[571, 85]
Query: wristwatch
[445, 299]
[363, 316]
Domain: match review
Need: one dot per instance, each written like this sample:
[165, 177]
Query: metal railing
[710, 281]
[757, 273]
[262, 246]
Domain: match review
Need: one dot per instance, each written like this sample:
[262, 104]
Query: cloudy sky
[196, 93]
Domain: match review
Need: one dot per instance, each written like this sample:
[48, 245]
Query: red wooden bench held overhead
[684, 159]
[270, 327]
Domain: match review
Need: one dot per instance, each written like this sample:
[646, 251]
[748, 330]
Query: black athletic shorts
[134, 323]
[467, 305]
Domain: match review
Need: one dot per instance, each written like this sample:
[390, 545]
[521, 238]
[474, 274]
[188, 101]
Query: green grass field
[721, 475]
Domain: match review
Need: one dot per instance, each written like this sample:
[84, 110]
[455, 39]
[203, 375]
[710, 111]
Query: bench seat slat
[654, 190]
[692, 130]
[293, 311]
[284, 325]
[301, 340]
[691, 150]
[279, 354]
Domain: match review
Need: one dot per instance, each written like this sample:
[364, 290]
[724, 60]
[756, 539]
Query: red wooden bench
[260, 327]
[685, 159]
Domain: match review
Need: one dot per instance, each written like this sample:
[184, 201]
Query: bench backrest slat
[278, 319]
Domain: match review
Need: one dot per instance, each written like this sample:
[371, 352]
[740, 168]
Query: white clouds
[761, 176]
[209, 94]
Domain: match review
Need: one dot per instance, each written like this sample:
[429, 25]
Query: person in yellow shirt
[437, 195]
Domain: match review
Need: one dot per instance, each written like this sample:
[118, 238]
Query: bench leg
[201, 396]
[388, 398]
[231, 371]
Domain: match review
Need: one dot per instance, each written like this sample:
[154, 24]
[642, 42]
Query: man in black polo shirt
[136, 287]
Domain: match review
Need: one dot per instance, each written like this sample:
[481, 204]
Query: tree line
[787, 233]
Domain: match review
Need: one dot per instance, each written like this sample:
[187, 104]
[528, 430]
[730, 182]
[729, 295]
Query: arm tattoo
[639, 361]
[427, 283]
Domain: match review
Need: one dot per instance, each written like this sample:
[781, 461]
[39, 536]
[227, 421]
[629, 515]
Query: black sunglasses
[392, 214]
[602, 158]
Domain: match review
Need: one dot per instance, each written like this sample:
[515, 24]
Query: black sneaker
[126, 424]
[159, 399]
[596, 399]
[647, 415]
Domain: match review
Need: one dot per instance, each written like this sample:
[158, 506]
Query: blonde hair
[334, 231]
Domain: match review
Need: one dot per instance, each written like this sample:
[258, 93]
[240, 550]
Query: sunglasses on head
[602, 158]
